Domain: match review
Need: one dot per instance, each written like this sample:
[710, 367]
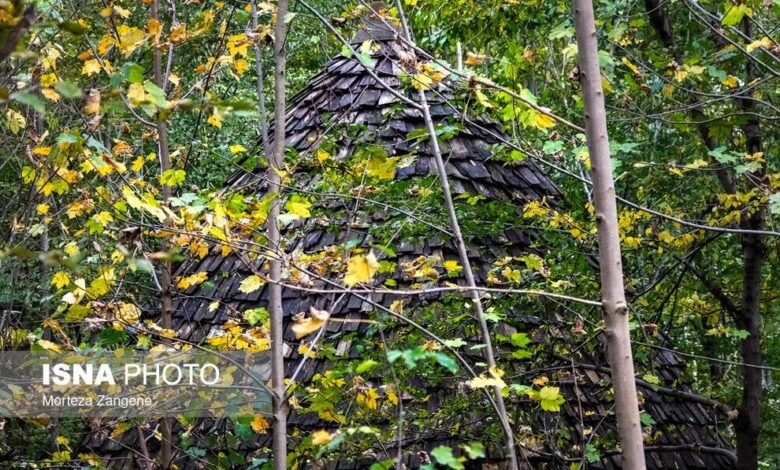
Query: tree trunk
[166, 456]
[748, 422]
[613, 295]
[275, 158]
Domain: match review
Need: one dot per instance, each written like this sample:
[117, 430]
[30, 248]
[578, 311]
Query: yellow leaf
[103, 218]
[299, 206]
[474, 59]
[42, 209]
[136, 94]
[542, 121]
[138, 164]
[106, 42]
[42, 151]
[241, 66]
[306, 325]
[251, 284]
[630, 65]
[215, 121]
[71, 249]
[15, 121]
[48, 345]
[178, 34]
[260, 425]
[731, 81]
[237, 148]
[421, 81]
[321, 437]
[452, 266]
[153, 29]
[764, 42]
[361, 268]
[48, 80]
[238, 44]
[90, 67]
[482, 99]
[130, 39]
[60, 279]
[484, 380]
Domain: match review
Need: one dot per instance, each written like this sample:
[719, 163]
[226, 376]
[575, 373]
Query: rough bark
[748, 422]
[275, 159]
[612, 289]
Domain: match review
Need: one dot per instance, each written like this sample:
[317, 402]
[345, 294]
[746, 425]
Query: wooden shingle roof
[326, 113]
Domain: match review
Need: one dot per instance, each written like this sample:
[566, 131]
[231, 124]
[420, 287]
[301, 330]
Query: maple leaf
[130, 39]
[551, 399]
[251, 284]
[260, 425]
[298, 206]
[361, 268]
[60, 279]
[136, 94]
[90, 67]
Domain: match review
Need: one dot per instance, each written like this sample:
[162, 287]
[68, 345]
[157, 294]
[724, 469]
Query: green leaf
[551, 399]
[646, 419]
[31, 100]
[256, 315]
[67, 89]
[447, 362]
[173, 177]
[444, 456]
[475, 450]
[365, 366]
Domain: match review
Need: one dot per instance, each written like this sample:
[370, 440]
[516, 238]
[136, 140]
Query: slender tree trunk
[464, 261]
[748, 422]
[165, 276]
[748, 316]
[612, 290]
[275, 159]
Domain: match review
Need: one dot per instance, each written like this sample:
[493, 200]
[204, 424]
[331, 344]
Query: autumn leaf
[260, 425]
[321, 437]
[15, 121]
[474, 59]
[361, 268]
[237, 149]
[550, 398]
[60, 279]
[90, 67]
[238, 44]
[136, 94]
[304, 326]
[48, 345]
[298, 206]
[452, 267]
[130, 39]
[251, 284]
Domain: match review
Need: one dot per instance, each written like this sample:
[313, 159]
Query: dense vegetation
[89, 88]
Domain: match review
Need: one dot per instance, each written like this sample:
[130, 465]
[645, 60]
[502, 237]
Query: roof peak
[377, 25]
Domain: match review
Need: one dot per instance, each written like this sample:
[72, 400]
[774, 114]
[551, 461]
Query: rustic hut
[344, 116]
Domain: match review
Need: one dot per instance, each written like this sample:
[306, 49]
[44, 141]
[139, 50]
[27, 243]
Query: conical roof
[349, 134]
